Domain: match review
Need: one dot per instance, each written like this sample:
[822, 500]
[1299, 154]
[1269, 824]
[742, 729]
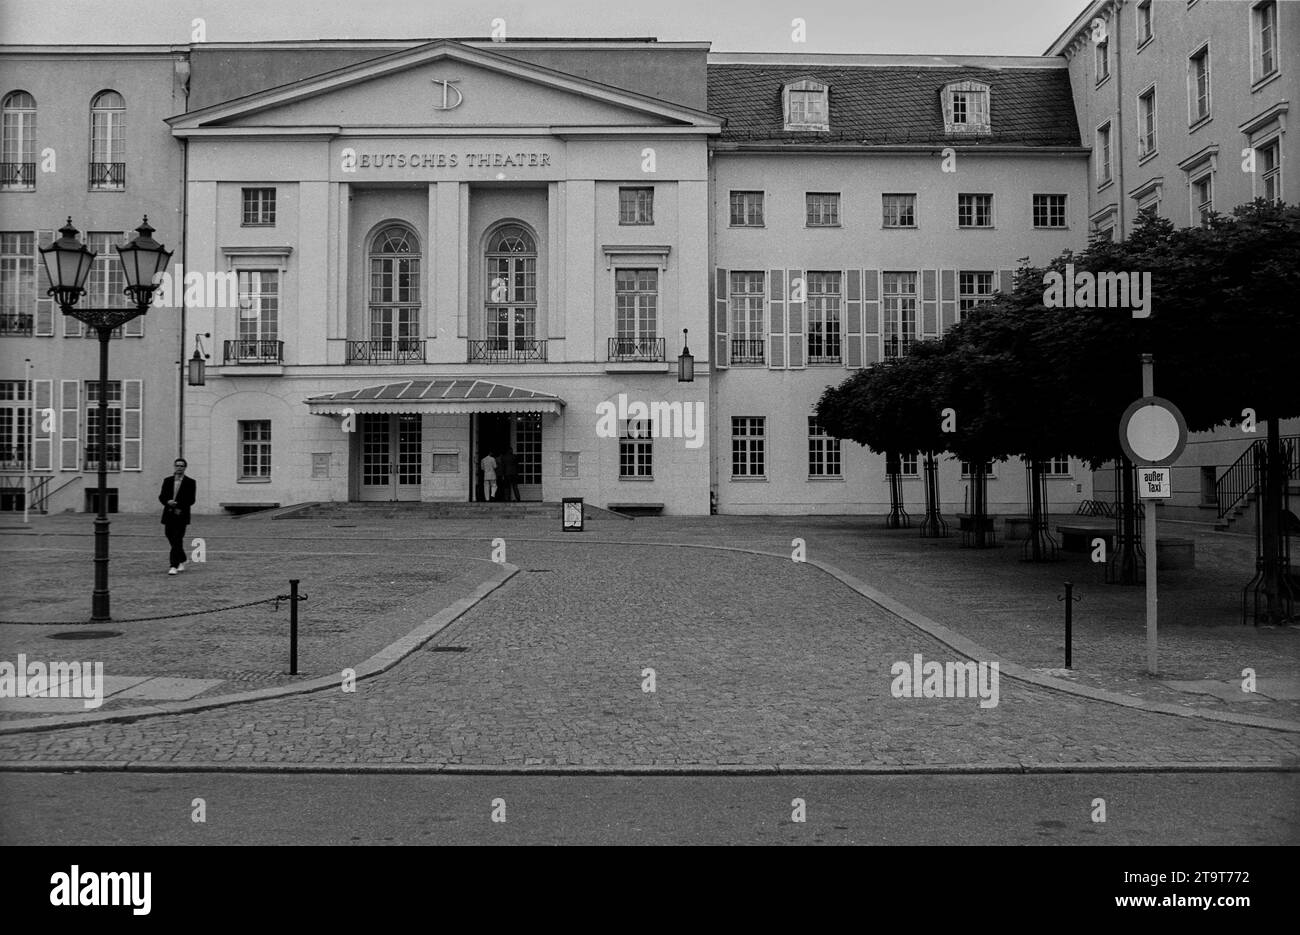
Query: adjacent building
[83, 134]
[1185, 106]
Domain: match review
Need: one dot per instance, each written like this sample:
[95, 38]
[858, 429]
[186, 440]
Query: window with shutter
[44, 304]
[132, 423]
[69, 395]
[42, 425]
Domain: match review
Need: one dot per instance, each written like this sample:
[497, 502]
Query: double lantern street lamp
[68, 262]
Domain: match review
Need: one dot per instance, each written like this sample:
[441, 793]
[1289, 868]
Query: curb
[932, 628]
[461, 769]
[380, 662]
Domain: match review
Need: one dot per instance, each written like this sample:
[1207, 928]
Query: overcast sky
[989, 27]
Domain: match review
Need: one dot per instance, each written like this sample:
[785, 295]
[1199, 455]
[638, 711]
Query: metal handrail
[107, 175]
[1239, 480]
[38, 503]
[392, 350]
[243, 351]
[17, 175]
[636, 349]
[507, 350]
[16, 323]
[747, 350]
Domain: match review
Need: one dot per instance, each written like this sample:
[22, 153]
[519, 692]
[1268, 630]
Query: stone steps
[434, 510]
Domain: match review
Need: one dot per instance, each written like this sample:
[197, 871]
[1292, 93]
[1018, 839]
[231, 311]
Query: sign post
[1153, 433]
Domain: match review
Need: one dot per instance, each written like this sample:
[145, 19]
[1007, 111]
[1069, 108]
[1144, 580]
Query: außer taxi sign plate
[1154, 483]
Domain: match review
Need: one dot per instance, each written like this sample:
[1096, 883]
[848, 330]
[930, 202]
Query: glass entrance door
[528, 451]
[523, 433]
[390, 457]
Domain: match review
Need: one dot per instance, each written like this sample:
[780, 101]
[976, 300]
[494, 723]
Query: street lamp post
[68, 263]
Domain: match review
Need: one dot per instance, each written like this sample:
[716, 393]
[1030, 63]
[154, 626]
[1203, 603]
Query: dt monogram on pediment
[451, 95]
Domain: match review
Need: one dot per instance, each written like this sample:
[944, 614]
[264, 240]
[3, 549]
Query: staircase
[371, 512]
[38, 494]
[1237, 489]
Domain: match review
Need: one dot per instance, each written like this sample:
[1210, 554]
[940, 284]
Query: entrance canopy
[455, 397]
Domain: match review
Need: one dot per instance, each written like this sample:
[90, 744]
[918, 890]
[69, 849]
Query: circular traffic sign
[1153, 432]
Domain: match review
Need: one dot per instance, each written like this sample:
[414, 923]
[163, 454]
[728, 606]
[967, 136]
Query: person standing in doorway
[508, 469]
[177, 496]
[489, 466]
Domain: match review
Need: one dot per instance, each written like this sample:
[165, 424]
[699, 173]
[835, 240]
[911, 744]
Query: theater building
[444, 250]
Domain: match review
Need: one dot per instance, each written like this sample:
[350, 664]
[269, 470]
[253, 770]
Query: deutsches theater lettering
[453, 160]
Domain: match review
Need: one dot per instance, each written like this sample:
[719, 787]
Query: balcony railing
[17, 176]
[507, 350]
[824, 352]
[747, 350]
[636, 349]
[107, 176]
[253, 352]
[393, 351]
[91, 460]
[15, 323]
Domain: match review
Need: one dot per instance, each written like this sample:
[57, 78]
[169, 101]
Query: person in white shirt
[489, 466]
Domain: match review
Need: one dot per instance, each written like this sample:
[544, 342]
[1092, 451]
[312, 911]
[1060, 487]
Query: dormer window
[806, 105]
[966, 107]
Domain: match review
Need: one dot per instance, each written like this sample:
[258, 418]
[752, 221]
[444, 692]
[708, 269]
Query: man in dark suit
[508, 471]
[177, 496]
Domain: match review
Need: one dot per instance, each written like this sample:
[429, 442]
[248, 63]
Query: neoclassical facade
[435, 250]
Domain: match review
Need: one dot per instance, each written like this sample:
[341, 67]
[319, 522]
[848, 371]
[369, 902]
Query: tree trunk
[1127, 558]
[933, 526]
[1039, 546]
[979, 506]
[898, 518]
[1274, 584]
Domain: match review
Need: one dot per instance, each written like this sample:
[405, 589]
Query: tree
[1031, 378]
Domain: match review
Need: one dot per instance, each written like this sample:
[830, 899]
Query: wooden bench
[240, 508]
[1015, 527]
[636, 509]
[1173, 553]
[1078, 536]
[966, 522]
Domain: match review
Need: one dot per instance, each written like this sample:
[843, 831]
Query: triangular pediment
[443, 84]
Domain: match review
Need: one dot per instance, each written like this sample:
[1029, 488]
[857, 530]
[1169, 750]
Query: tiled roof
[900, 104]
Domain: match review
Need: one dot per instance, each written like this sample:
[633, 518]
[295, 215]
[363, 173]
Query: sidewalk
[357, 602]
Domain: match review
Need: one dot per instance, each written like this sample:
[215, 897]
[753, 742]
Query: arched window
[18, 142]
[511, 319]
[107, 142]
[395, 295]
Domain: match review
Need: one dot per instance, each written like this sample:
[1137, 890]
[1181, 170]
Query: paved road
[153, 808]
[757, 660]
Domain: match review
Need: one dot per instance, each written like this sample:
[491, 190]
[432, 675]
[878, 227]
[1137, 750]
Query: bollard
[1070, 601]
[293, 626]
